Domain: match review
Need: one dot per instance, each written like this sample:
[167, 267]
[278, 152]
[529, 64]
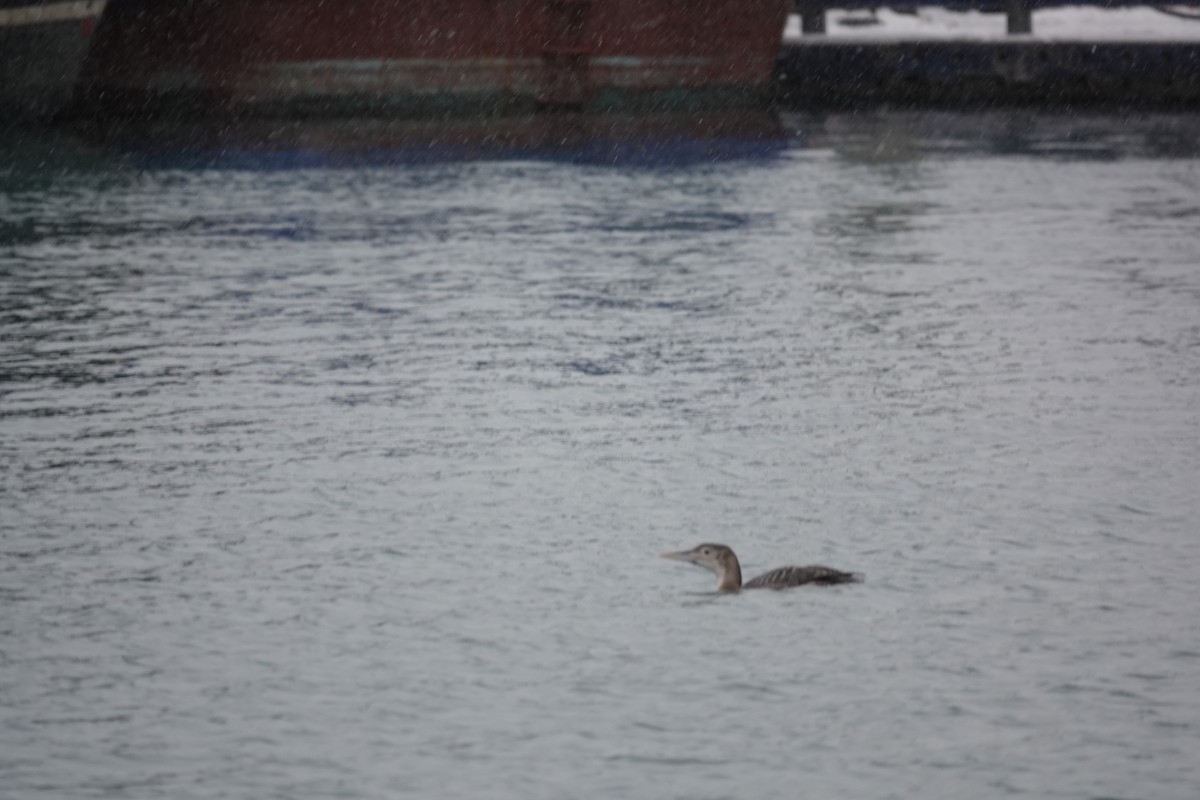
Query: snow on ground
[1056, 24]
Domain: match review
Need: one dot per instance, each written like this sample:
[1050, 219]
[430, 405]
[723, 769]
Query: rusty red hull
[425, 55]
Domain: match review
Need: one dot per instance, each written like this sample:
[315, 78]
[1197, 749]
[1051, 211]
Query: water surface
[344, 477]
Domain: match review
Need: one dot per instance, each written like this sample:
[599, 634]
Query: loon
[721, 560]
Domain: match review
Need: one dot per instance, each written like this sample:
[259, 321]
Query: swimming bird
[721, 560]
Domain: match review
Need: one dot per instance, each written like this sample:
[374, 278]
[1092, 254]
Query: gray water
[349, 481]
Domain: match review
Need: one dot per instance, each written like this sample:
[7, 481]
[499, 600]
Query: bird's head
[715, 557]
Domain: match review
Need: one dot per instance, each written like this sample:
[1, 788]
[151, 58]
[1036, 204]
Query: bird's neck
[730, 579]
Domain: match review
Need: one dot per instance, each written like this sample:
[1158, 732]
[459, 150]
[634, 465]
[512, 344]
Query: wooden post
[812, 15]
[1020, 16]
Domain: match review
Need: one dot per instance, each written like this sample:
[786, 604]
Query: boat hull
[609, 138]
[43, 44]
[432, 56]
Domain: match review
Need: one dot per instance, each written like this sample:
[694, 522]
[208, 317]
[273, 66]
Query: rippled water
[348, 481]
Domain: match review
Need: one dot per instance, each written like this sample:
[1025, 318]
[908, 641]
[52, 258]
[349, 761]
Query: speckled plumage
[784, 577]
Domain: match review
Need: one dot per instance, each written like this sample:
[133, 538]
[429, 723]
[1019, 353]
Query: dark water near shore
[347, 479]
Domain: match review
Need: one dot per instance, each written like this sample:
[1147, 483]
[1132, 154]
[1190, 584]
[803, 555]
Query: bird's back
[784, 577]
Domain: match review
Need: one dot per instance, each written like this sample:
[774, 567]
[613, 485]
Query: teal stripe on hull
[471, 104]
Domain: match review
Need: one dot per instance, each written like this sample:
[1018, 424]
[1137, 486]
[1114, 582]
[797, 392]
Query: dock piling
[1020, 16]
[812, 16]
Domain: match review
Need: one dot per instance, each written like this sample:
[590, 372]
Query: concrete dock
[831, 73]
